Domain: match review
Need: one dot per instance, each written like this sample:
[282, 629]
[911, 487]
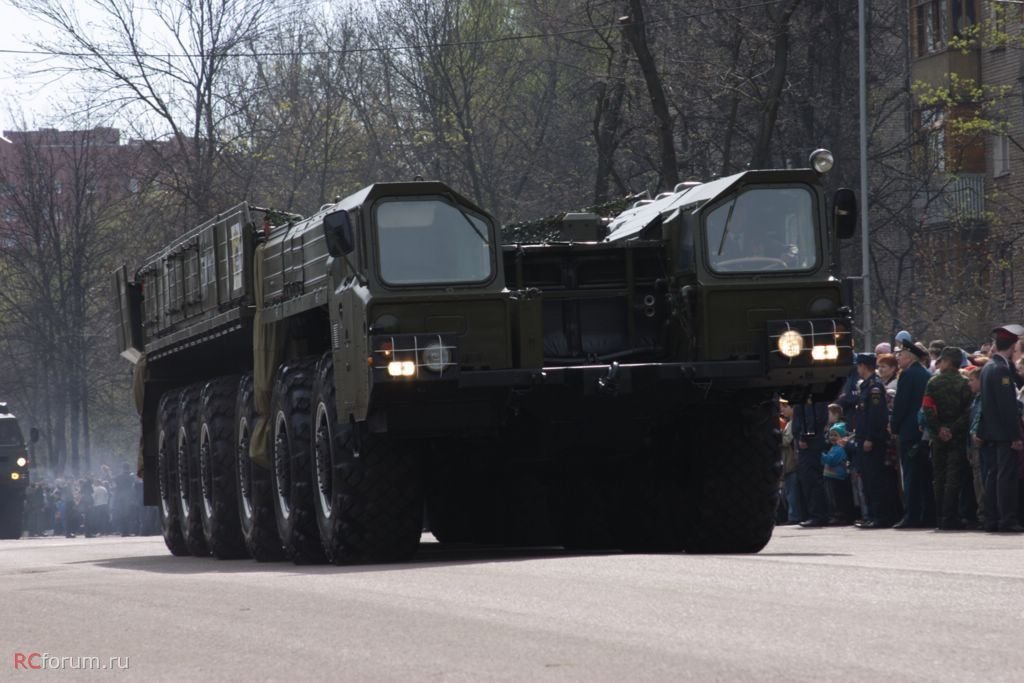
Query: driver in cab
[746, 235]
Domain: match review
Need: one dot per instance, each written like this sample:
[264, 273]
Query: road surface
[816, 604]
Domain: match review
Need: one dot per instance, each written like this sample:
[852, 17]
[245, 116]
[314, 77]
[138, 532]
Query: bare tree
[55, 259]
[160, 66]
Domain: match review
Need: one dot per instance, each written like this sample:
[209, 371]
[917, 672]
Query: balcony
[960, 199]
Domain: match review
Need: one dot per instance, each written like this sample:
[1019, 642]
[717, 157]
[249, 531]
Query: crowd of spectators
[919, 437]
[89, 506]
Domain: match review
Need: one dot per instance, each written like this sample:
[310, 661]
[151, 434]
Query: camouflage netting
[546, 229]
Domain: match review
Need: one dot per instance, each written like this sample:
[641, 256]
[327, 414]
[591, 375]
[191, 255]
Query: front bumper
[624, 378]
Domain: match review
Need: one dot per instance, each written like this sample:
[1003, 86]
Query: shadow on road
[429, 555]
[805, 554]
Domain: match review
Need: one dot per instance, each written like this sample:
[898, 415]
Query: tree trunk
[636, 33]
[761, 157]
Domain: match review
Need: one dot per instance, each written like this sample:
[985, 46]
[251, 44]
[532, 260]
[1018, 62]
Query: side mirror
[845, 207]
[33, 435]
[338, 233]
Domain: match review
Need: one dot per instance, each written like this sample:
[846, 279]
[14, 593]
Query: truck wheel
[735, 486]
[12, 508]
[369, 489]
[461, 505]
[292, 466]
[652, 512]
[255, 508]
[167, 472]
[189, 497]
[584, 503]
[217, 476]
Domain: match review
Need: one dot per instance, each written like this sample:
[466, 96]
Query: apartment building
[967, 67]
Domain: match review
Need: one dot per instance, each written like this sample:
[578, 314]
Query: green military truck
[13, 474]
[320, 388]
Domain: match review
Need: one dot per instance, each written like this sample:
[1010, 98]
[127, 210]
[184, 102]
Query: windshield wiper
[725, 228]
[474, 228]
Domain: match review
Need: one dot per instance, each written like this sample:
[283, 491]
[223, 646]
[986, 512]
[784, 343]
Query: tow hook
[608, 383]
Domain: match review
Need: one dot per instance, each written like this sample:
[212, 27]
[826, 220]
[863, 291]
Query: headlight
[822, 160]
[436, 357]
[401, 368]
[21, 462]
[791, 343]
[825, 352]
[15, 476]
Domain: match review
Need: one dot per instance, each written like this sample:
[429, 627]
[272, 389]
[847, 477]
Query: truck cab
[14, 473]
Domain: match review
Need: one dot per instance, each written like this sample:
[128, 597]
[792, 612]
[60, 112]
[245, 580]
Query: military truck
[313, 388]
[14, 473]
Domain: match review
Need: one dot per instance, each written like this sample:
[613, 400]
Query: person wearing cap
[934, 350]
[837, 477]
[910, 387]
[999, 429]
[872, 424]
[946, 405]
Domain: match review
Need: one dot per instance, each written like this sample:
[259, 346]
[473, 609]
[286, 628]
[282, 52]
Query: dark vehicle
[13, 474]
[310, 386]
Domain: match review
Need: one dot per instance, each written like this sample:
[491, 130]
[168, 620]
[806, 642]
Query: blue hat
[839, 428]
[868, 359]
[904, 337]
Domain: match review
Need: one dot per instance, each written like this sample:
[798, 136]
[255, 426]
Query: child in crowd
[837, 477]
[854, 483]
[835, 414]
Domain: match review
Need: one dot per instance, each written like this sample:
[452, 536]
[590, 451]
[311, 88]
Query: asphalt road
[816, 604]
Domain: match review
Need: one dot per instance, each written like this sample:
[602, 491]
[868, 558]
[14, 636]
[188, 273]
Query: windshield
[763, 229]
[429, 241]
[10, 435]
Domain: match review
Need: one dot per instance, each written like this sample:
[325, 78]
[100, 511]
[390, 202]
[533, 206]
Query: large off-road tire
[584, 501]
[652, 514]
[369, 487]
[167, 472]
[218, 479]
[735, 480]
[459, 493]
[255, 507]
[12, 511]
[189, 496]
[292, 462]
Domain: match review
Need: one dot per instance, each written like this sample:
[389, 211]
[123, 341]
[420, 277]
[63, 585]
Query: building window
[933, 133]
[1000, 155]
[930, 22]
[964, 16]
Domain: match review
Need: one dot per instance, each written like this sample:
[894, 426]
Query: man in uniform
[809, 419]
[910, 388]
[1000, 432]
[872, 423]
[947, 404]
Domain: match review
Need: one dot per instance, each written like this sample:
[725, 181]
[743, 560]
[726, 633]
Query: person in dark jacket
[999, 429]
[809, 432]
[947, 411]
[872, 438]
[917, 484]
